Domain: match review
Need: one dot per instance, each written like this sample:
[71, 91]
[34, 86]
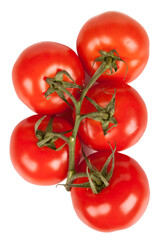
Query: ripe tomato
[119, 205]
[114, 30]
[38, 62]
[42, 166]
[130, 113]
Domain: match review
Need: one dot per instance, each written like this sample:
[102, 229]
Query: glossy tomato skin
[37, 62]
[41, 166]
[114, 30]
[122, 203]
[130, 113]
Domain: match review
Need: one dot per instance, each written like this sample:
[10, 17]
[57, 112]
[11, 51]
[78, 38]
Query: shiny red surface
[121, 204]
[130, 113]
[42, 166]
[43, 60]
[114, 30]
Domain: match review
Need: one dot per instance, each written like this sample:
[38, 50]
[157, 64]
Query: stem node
[72, 139]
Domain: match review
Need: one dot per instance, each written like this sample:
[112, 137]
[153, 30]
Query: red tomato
[119, 205]
[130, 113]
[114, 30]
[43, 60]
[42, 166]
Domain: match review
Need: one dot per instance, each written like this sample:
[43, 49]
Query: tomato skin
[41, 166]
[37, 62]
[130, 113]
[114, 30]
[122, 203]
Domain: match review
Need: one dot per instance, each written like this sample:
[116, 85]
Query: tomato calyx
[105, 115]
[109, 59]
[97, 180]
[58, 85]
[48, 137]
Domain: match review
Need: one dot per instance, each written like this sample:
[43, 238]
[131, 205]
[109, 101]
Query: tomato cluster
[49, 78]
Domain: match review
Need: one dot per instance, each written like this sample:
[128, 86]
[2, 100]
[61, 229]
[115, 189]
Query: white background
[29, 212]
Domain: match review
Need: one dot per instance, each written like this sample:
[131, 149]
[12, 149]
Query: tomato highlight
[34, 65]
[41, 165]
[114, 30]
[118, 206]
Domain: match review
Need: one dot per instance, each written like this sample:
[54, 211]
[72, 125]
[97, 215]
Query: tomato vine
[109, 190]
[97, 181]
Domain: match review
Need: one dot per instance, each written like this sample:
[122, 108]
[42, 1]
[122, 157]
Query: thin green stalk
[72, 144]
[60, 135]
[78, 175]
[104, 66]
[94, 115]
[67, 92]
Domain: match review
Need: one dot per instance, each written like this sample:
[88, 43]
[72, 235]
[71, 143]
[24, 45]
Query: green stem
[72, 143]
[103, 67]
[50, 136]
[67, 92]
[82, 175]
[78, 175]
[59, 135]
[93, 115]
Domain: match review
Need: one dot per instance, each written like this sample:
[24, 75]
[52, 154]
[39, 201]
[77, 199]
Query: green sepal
[95, 177]
[53, 146]
[49, 127]
[113, 120]
[59, 76]
[71, 85]
[105, 166]
[110, 108]
[58, 85]
[97, 180]
[104, 114]
[98, 107]
[48, 137]
[49, 92]
[89, 165]
[92, 185]
[111, 61]
[62, 96]
[105, 126]
[39, 134]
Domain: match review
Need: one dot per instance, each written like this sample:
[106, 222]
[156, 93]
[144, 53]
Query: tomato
[130, 113]
[119, 205]
[42, 166]
[38, 62]
[114, 30]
